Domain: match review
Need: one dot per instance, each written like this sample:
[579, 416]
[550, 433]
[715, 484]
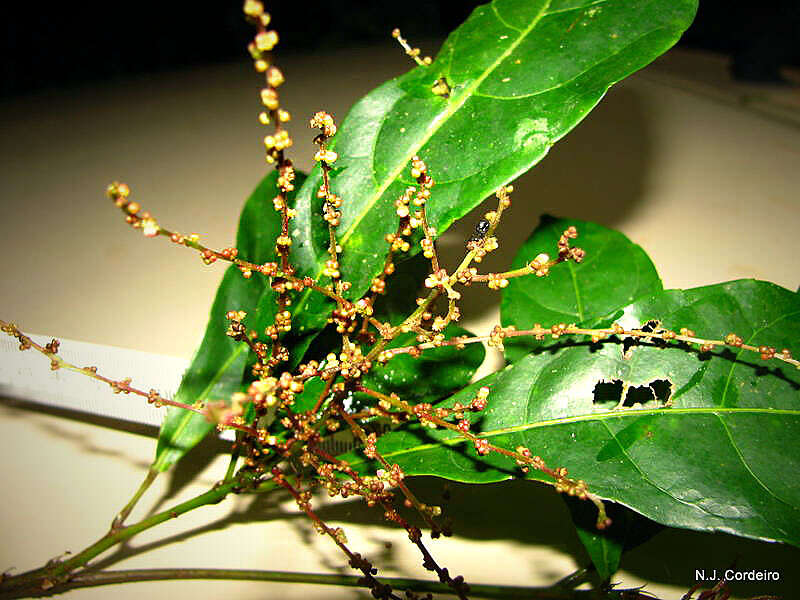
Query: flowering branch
[538, 332]
[122, 386]
[435, 417]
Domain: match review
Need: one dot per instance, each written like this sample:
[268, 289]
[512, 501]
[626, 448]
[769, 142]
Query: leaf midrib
[451, 108]
[598, 417]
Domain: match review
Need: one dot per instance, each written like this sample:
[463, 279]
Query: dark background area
[48, 45]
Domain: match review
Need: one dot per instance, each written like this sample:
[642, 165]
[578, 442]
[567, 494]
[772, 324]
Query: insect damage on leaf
[617, 394]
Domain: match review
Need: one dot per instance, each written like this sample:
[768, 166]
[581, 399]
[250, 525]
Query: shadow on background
[521, 512]
[12, 408]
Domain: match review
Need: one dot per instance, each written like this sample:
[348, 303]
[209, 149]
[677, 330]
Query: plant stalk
[53, 575]
[119, 520]
[501, 592]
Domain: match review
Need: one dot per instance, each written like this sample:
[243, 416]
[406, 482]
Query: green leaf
[605, 547]
[214, 374]
[614, 273]
[722, 457]
[435, 374]
[403, 287]
[306, 399]
[522, 74]
[218, 365]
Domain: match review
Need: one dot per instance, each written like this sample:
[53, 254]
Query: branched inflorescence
[276, 429]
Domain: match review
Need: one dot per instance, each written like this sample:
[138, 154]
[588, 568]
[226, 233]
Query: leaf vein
[574, 77]
[747, 466]
[750, 338]
[642, 474]
[581, 7]
[452, 107]
[502, 20]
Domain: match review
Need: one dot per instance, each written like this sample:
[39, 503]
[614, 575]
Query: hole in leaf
[638, 395]
[627, 347]
[662, 389]
[607, 392]
[659, 390]
[651, 325]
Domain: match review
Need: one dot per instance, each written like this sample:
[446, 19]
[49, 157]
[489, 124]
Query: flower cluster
[135, 216]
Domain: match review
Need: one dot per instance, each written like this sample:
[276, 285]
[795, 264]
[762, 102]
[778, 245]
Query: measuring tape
[27, 376]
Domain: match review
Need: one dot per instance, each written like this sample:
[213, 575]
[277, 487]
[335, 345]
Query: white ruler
[27, 376]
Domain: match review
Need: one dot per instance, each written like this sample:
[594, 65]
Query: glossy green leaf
[718, 451]
[218, 365]
[614, 273]
[435, 374]
[603, 547]
[306, 399]
[522, 74]
[214, 374]
[606, 547]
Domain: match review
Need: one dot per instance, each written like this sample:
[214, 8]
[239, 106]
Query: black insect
[481, 227]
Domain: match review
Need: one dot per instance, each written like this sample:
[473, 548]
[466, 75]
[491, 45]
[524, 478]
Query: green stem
[574, 579]
[50, 575]
[412, 319]
[502, 592]
[119, 520]
[234, 458]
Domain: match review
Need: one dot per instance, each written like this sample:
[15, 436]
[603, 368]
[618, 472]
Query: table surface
[707, 186]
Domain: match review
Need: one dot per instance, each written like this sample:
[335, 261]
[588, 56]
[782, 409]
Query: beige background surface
[706, 186]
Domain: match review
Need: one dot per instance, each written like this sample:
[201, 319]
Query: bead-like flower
[150, 227]
[266, 40]
[328, 156]
[269, 98]
[325, 122]
[253, 8]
